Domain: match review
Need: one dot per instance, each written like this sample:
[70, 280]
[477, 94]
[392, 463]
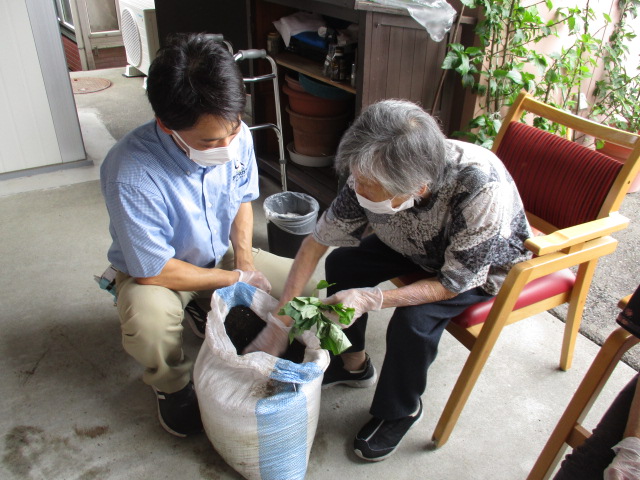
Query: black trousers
[413, 333]
[589, 460]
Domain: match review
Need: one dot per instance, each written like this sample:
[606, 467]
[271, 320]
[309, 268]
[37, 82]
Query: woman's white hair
[397, 144]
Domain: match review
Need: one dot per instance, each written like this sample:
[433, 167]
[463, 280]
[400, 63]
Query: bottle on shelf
[336, 62]
[273, 43]
[326, 69]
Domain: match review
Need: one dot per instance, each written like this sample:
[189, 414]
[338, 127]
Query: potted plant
[618, 104]
[508, 59]
[617, 94]
[500, 66]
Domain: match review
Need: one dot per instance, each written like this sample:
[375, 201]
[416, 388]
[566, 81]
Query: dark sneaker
[337, 375]
[178, 412]
[197, 318]
[378, 439]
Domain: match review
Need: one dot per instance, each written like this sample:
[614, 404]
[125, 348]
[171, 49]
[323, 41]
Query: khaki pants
[151, 320]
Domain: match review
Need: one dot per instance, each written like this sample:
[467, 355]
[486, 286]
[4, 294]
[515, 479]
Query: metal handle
[250, 54]
[219, 38]
[214, 37]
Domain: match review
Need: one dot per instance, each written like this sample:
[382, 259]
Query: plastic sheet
[292, 212]
[297, 23]
[436, 16]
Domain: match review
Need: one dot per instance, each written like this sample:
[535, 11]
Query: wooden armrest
[622, 304]
[567, 237]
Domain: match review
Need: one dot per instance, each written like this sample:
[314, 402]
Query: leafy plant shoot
[308, 312]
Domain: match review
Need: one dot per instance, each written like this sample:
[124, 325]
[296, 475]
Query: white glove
[255, 278]
[626, 464]
[273, 339]
[362, 299]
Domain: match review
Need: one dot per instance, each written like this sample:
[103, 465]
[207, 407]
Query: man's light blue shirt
[162, 205]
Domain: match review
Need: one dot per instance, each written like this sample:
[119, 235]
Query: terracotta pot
[322, 89]
[307, 104]
[620, 153]
[311, 124]
[317, 136]
[293, 84]
[615, 151]
[315, 144]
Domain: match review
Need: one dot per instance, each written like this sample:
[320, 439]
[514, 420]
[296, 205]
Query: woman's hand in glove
[625, 465]
[273, 339]
[255, 278]
[362, 299]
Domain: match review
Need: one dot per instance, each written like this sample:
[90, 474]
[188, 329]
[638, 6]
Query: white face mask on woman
[385, 207]
[211, 156]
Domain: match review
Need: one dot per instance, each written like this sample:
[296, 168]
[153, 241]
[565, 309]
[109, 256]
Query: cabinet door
[401, 61]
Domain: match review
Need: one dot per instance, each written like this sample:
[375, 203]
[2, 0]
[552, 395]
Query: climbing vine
[507, 60]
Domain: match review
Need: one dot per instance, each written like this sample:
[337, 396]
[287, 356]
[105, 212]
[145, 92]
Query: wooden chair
[569, 429]
[572, 195]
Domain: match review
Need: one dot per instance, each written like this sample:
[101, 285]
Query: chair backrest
[563, 183]
[559, 181]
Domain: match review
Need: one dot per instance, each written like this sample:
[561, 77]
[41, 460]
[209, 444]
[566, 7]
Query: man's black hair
[192, 76]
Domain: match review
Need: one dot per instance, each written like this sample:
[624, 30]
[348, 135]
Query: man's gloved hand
[362, 299]
[255, 278]
[273, 339]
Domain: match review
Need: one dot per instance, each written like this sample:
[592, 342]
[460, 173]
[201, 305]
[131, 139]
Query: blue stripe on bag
[237, 294]
[282, 451]
[289, 372]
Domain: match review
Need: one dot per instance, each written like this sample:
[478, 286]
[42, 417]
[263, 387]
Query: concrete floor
[73, 405]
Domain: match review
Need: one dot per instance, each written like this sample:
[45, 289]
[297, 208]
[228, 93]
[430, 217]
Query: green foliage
[617, 95]
[496, 69]
[308, 312]
[507, 60]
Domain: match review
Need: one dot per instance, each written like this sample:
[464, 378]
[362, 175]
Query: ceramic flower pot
[307, 104]
[317, 136]
[621, 153]
[293, 84]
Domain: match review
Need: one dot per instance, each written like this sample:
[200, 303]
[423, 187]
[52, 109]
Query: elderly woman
[441, 208]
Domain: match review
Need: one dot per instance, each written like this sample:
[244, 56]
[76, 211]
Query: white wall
[38, 122]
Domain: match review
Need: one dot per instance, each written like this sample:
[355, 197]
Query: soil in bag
[243, 325]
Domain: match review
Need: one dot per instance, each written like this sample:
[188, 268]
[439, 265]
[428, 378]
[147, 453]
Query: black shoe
[197, 318]
[178, 412]
[378, 439]
[337, 375]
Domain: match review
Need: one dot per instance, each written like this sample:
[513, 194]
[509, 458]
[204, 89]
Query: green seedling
[308, 312]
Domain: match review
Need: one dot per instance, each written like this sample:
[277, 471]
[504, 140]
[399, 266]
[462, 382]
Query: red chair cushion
[535, 291]
[560, 181]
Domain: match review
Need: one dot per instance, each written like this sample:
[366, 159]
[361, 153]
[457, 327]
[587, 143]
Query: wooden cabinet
[401, 61]
[396, 58]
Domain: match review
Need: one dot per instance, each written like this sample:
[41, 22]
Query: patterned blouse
[468, 234]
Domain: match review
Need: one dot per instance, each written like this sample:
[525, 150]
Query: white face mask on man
[211, 156]
[385, 207]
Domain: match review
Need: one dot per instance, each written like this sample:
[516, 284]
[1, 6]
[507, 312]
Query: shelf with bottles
[310, 68]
